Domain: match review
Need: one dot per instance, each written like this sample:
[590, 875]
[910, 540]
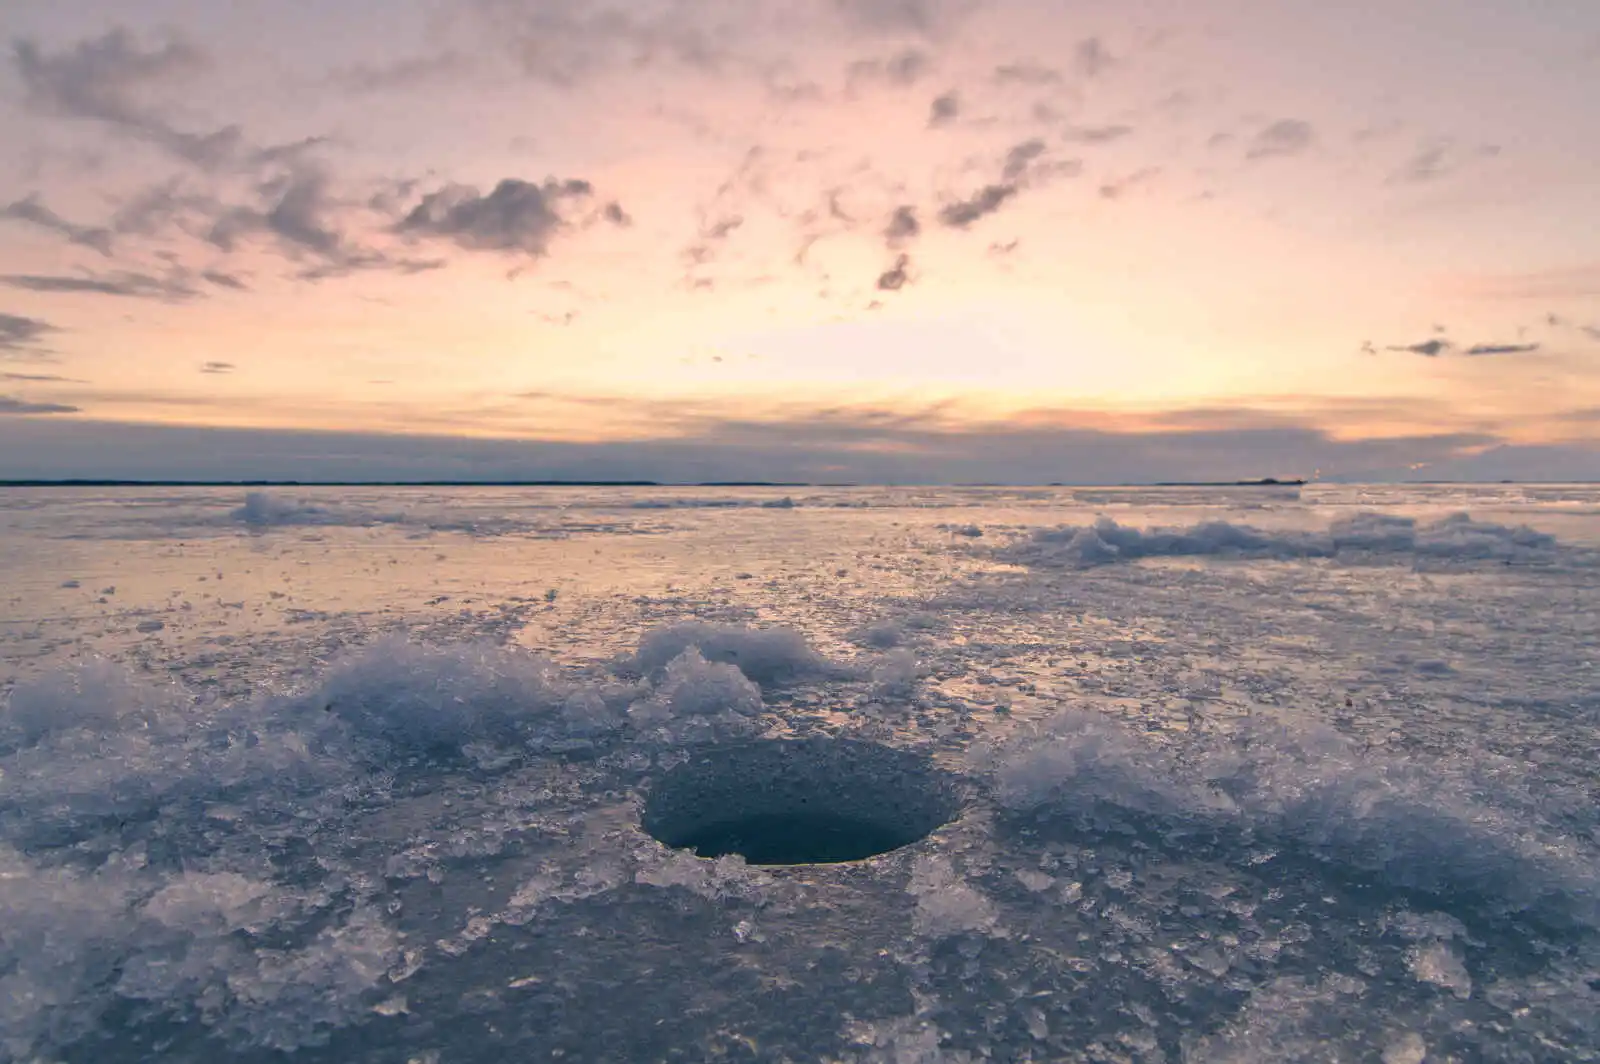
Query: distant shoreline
[1268, 482]
[113, 483]
[1264, 482]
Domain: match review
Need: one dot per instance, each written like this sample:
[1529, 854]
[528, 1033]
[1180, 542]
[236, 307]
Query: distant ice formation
[1106, 541]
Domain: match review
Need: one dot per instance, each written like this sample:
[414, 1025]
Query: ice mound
[765, 655]
[237, 955]
[416, 699]
[171, 861]
[884, 635]
[1457, 536]
[1410, 824]
[263, 509]
[699, 700]
[97, 748]
[96, 697]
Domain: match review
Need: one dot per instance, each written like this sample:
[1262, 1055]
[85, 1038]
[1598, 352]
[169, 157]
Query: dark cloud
[905, 67]
[10, 405]
[1287, 136]
[33, 211]
[1438, 345]
[1427, 348]
[985, 201]
[357, 262]
[1046, 113]
[38, 378]
[20, 334]
[392, 196]
[1091, 57]
[1024, 164]
[1021, 165]
[294, 205]
[895, 277]
[1020, 157]
[218, 367]
[114, 283]
[1440, 159]
[111, 79]
[1120, 187]
[299, 211]
[613, 213]
[410, 72]
[944, 109]
[225, 280]
[711, 234]
[296, 209]
[164, 207]
[108, 79]
[566, 43]
[722, 228]
[925, 17]
[1095, 134]
[731, 442]
[1501, 349]
[903, 227]
[517, 216]
[1033, 74]
[103, 77]
[290, 153]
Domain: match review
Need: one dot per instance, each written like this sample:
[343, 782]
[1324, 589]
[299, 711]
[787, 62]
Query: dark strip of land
[112, 483]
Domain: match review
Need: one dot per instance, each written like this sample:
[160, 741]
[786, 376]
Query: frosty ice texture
[1236, 812]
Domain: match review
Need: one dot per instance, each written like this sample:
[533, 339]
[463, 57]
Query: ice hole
[800, 801]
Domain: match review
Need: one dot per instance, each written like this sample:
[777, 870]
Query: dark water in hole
[794, 838]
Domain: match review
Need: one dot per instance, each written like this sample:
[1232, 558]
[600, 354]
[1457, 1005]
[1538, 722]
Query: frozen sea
[1213, 775]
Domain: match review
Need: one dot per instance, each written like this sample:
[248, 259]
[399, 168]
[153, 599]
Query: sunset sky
[909, 240]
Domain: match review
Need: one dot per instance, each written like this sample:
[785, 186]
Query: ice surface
[1409, 823]
[1312, 779]
[946, 903]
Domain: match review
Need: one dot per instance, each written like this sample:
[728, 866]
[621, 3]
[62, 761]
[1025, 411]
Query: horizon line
[158, 482]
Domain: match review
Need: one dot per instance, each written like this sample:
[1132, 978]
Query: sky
[1014, 241]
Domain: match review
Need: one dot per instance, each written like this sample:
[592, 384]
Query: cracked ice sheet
[254, 848]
